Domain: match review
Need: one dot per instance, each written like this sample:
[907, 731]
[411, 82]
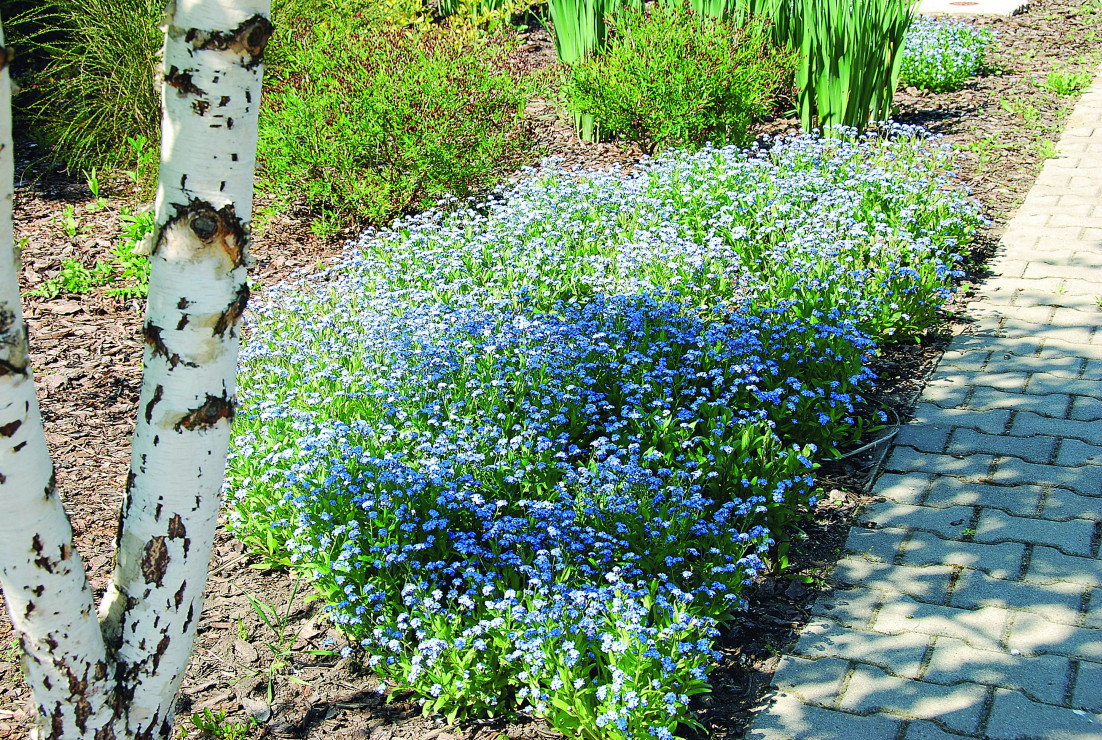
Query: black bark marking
[182, 82]
[38, 590]
[29, 610]
[222, 185]
[183, 302]
[3, 478]
[152, 335]
[229, 123]
[233, 157]
[82, 710]
[248, 39]
[176, 528]
[105, 733]
[19, 446]
[51, 486]
[183, 181]
[233, 312]
[224, 101]
[179, 597]
[214, 227]
[50, 643]
[66, 551]
[6, 368]
[190, 616]
[213, 410]
[9, 429]
[162, 647]
[154, 560]
[57, 721]
[201, 107]
[157, 513]
[248, 98]
[182, 322]
[158, 393]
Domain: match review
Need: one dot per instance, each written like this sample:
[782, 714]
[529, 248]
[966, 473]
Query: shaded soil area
[252, 655]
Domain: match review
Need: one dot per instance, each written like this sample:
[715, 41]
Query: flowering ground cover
[941, 54]
[531, 450]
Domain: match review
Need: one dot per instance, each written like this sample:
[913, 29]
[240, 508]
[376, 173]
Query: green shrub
[370, 122]
[669, 76]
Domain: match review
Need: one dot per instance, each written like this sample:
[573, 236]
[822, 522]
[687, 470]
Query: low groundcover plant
[941, 55]
[531, 450]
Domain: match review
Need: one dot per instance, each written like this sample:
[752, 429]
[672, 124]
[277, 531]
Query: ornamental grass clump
[530, 451]
[669, 76]
[942, 55]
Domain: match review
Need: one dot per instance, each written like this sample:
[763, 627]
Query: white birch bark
[118, 676]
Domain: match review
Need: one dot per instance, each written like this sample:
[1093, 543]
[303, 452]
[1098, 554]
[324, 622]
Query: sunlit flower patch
[941, 54]
[531, 451]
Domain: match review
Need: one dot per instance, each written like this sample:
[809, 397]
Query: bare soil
[87, 357]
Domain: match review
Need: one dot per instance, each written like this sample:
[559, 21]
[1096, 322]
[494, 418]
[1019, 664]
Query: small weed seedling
[212, 724]
[1046, 149]
[70, 222]
[1066, 83]
[93, 186]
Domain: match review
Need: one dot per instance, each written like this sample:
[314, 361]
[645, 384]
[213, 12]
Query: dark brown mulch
[87, 354]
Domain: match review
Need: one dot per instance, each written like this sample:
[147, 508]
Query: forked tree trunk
[118, 676]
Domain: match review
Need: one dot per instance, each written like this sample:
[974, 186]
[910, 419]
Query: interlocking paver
[899, 654]
[1015, 717]
[905, 488]
[1088, 687]
[984, 398]
[1062, 504]
[929, 583]
[969, 441]
[1085, 480]
[1002, 561]
[1057, 602]
[1072, 537]
[870, 689]
[789, 719]
[1048, 565]
[937, 631]
[1035, 635]
[1027, 423]
[981, 628]
[946, 523]
[1022, 500]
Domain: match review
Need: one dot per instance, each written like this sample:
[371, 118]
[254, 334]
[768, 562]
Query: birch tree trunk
[117, 676]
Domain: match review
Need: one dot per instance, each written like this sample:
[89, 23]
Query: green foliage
[579, 25]
[216, 725]
[97, 89]
[125, 274]
[942, 55]
[669, 76]
[1066, 83]
[372, 122]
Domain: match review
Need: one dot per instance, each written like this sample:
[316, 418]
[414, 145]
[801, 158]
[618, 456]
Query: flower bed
[531, 451]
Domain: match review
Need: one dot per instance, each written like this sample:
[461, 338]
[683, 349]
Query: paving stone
[948, 523]
[904, 488]
[992, 422]
[1070, 334]
[1042, 677]
[1093, 619]
[1072, 537]
[1048, 565]
[817, 681]
[875, 544]
[971, 361]
[1015, 717]
[1003, 381]
[1055, 405]
[1013, 470]
[1062, 505]
[1066, 367]
[1035, 635]
[924, 437]
[1000, 561]
[957, 707]
[899, 654]
[929, 583]
[1003, 346]
[910, 460]
[1053, 348]
[969, 441]
[922, 730]
[1044, 383]
[853, 608]
[1022, 500]
[981, 628]
[1027, 423]
[788, 719]
[945, 394]
[1085, 408]
[1088, 687]
[1074, 453]
[1057, 602]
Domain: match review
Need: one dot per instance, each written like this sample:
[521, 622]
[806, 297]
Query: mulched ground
[87, 351]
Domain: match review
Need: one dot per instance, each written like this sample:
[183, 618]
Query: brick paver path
[974, 606]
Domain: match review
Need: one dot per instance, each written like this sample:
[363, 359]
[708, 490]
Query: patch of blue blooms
[941, 55]
[531, 450]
